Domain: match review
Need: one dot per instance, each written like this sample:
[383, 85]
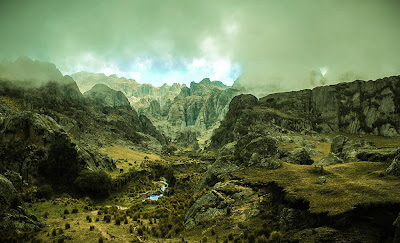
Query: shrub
[275, 236]
[67, 226]
[44, 191]
[66, 211]
[75, 210]
[107, 218]
[91, 228]
[97, 183]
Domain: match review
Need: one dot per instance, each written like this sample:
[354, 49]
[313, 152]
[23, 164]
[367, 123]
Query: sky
[269, 44]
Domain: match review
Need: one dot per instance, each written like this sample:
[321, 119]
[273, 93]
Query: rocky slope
[357, 107]
[273, 167]
[173, 109]
[50, 128]
[139, 95]
[198, 108]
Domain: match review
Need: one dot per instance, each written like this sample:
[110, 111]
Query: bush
[275, 236]
[67, 226]
[107, 218]
[44, 191]
[97, 183]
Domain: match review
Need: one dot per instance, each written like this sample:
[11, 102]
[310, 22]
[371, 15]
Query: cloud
[273, 43]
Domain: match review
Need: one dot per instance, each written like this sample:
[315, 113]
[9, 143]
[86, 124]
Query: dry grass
[323, 147]
[347, 186]
[125, 156]
[79, 225]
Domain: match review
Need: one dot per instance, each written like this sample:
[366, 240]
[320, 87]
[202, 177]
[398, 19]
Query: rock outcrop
[54, 122]
[14, 218]
[109, 96]
[246, 115]
[357, 107]
[171, 108]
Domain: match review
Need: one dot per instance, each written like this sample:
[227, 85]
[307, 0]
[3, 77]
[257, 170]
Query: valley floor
[358, 202]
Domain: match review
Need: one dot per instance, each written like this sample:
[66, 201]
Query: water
[163, 187]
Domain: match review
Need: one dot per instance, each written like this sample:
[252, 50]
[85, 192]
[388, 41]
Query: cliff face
[199, 108]
[49, 127]
[173, 109]
[139, 95]
[110, 97]
[358, 107]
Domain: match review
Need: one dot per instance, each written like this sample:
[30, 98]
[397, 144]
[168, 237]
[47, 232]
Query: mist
[272, 45]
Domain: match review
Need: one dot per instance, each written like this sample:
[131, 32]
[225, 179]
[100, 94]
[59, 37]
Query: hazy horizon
[285, 44]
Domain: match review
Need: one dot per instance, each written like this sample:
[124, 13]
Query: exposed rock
[357, 107]
[215, 173]
[15, 178]
[252, 144]
[270, 163]
[110, 97]
[330, 159]
[396, 225]
[187, 138]
[300, 156]
[394, 167]
[321, 180]
[13, 216]
[338, 143]
[209, 205]
[246, 116]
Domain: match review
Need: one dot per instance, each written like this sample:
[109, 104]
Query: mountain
[175, 109]
[139, 95]
[303, 162]
[38, 120]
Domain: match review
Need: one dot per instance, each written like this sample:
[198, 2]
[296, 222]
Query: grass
[127, 158]
[348, 185]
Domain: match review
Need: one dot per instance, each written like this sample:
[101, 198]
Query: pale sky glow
[145, 70]
[264, 42]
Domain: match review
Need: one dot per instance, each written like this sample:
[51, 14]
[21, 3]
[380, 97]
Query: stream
[163, 187]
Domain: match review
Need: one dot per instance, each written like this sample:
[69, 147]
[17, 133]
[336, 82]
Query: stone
[300, 156]
[394, 167]
[321, 180]
[330, 159]
[209, 205]
[338, 143]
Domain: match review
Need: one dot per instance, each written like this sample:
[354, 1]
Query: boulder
[215, 173]
[13, 215]
[209, 205]
[338, 143]
[321, 180]
[394, 167]
[246, 146]
[300, 156]
[330, 159]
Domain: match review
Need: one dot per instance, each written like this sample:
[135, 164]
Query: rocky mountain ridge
[175, 109]
[55, 116]
[357, 107]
